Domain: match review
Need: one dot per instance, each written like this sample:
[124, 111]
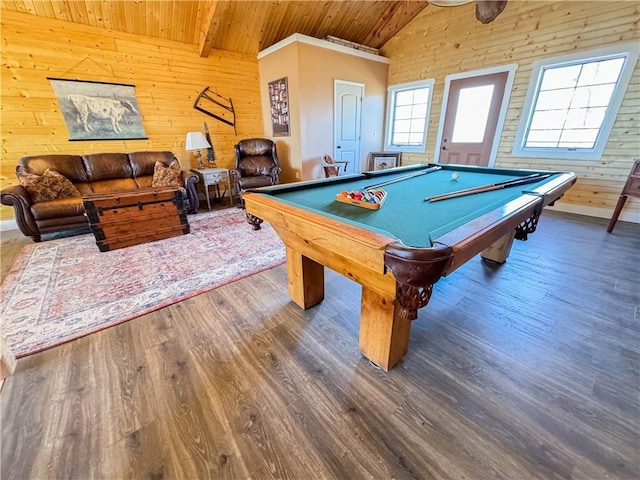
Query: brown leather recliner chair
[257, 164]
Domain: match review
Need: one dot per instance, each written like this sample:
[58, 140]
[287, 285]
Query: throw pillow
[51, 185]
[170, 176]
[67, 188]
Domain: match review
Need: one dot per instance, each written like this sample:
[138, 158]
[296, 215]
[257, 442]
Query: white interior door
[347, 115]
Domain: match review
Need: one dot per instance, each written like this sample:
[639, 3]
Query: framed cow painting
[98, 110]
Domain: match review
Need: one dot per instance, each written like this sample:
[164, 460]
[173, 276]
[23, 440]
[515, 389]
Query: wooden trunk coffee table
[133, 217]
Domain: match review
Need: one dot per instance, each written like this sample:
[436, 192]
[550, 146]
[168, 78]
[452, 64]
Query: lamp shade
[195, 141]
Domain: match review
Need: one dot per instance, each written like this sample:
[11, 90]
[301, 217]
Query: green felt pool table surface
[405, 214]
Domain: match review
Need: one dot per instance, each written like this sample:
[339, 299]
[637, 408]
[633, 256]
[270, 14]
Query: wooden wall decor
[222, 108]
[279, 107]
[98, 110]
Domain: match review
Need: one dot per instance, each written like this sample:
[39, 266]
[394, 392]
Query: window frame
[392, 91]
[629, 50]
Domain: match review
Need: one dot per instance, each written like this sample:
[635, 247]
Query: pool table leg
[384, 334]
[306, 279]
[499, 250]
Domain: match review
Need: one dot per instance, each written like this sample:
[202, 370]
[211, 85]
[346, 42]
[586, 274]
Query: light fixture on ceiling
[449, 3]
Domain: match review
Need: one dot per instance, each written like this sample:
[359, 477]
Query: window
[572, 103]
[408, 107]
[472, 114]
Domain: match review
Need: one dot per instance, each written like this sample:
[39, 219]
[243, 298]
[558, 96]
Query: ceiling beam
[393, 21]
[210, 25]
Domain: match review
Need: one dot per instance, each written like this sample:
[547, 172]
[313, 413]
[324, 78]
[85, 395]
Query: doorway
[347, 114]
[472, 118]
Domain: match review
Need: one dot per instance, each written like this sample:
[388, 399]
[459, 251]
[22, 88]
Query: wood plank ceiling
[239, 26]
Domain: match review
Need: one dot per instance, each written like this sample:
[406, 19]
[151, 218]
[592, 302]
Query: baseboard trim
[626, 215]
[6, 225]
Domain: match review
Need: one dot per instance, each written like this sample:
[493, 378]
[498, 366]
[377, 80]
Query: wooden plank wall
[167, 76]
[442, 41]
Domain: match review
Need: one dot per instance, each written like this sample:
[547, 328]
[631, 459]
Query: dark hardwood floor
[525, 371]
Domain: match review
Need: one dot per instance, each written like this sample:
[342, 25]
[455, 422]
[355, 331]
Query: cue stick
[536, 177]
[405, 177]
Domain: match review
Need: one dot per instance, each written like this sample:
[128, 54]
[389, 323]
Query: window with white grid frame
[408, 107]
[572, 103]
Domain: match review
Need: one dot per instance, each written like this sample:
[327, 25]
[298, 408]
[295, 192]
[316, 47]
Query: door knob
[444, 148]
[338, 146]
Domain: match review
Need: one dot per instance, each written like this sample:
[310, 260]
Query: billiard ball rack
[369, 199]
[372, 197]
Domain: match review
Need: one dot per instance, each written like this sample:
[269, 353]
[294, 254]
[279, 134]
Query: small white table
[214, 176]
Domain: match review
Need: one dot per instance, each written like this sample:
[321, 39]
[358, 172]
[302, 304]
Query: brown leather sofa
[257, 164]
[90, 174]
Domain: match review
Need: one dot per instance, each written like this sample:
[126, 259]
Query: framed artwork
[384, 160]
[279, 107]
[98, 110]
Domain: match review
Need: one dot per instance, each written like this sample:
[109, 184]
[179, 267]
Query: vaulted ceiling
[239, 26]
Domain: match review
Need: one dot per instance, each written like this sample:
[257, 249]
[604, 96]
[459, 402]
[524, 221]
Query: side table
[213, 177]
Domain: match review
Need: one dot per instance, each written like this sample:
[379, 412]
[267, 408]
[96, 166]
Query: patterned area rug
[63, 289]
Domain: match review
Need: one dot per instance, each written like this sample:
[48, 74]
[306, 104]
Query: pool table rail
[416, 271]
[501, 225]
[350, 250]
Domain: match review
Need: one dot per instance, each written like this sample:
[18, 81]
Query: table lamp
[196, 141]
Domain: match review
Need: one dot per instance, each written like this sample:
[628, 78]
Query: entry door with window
[348, 108]
[475, 108]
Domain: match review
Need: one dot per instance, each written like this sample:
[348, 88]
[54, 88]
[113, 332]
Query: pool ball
[454, 176]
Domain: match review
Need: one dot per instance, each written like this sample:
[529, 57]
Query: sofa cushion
[170, 176]
[107, 166]
[145, 181]
[255, 146]
[257, 165]
[115, 185]
[143, 163]
[71, 166]
[255, 182]
[63, 208]
[51, 185]
[84, 188]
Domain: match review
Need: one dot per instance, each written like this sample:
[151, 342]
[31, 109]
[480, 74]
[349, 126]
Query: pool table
[398, 252]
